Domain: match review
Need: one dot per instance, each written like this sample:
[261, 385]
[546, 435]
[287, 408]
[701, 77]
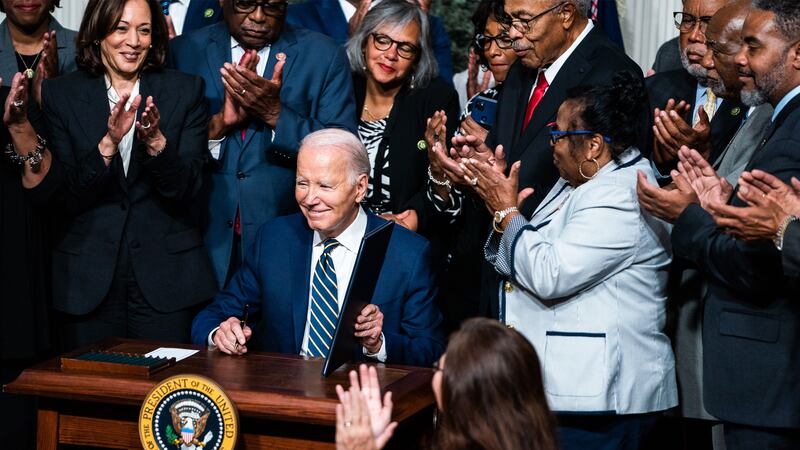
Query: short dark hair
[787, 16]
[100, 19]
[492, 368]
[53, 6]
[485, 10]
[613, 110]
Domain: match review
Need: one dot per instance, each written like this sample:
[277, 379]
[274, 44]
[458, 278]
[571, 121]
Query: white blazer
[586, 285]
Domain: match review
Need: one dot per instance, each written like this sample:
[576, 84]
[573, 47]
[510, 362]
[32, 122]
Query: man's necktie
[237, 221]
[324, 306]
[536, 97]
[710, 107]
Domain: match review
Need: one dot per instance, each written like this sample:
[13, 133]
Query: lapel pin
[735, 111]
[280, 56]
[208, 13]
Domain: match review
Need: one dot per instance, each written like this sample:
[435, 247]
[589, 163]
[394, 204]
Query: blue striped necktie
[324, 306]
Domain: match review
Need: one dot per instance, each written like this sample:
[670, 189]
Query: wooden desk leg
[47, 429]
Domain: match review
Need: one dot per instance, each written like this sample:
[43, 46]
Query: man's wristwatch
[778, 239]
[499, 216]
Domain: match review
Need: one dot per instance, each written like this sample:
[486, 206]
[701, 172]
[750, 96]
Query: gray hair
[395, 13]
[357, 157]
[787, 16]
[581, 5]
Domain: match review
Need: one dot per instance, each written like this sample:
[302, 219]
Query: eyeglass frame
[702, 20]
[556, 134]
[489, 39]
[269, 8]
[375, 35]
[527, 22]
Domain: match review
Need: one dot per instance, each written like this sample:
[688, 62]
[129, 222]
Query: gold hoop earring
[580, 168]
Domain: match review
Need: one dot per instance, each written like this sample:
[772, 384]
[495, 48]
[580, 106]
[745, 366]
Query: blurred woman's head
[596, 124]
[492, 44]
[392, 46]
[121, 38]
[489, 389]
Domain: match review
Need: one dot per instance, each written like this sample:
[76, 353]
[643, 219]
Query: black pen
[245, 312]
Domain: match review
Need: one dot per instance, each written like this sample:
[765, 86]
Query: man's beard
[766, 87]
[695, 70]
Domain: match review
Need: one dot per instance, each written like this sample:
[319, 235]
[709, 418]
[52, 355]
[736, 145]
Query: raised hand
[232, 114]
[471, 128]
[258, 96]
[47, 66]
[664, 203]
[358, 17]
[474, 86]
[170, 27]
[371, 411]
[497, 191]
[121, 120]
[147, 128]
[442, 166]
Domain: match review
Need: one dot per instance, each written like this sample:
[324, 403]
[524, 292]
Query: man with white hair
[299, 269]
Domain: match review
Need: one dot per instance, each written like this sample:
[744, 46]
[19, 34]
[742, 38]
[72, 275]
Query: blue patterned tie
[324, 307]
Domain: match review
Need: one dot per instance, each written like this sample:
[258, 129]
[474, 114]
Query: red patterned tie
[538, 93]
[237, 221]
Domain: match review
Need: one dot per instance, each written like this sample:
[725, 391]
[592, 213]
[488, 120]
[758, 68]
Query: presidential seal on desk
[188, 412]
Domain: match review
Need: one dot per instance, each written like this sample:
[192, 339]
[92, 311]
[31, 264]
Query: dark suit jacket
[201, 13]
[327, 17]
[679, 85]
[257, 175]
[274, 281]
[595, 61]
[148, 210]
[791, 250]
[751, 328]
[404, 128]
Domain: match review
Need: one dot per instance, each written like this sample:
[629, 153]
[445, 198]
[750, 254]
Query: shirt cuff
[214, 147]
[210, 338]
[665, 179]
[504, 261]
[381, 354]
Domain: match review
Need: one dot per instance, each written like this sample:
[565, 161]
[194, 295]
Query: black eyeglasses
[556, 135]
[502, 41]
[269, 8]
[686, 22]
[524, 25]
[382, 42]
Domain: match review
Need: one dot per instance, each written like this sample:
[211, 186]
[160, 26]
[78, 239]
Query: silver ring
[474, 181]
[347, 424]
[435, 137]
[18, 103]
[144, 127]
[243, 92]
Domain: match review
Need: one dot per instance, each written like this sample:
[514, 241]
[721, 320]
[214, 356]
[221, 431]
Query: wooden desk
[283, 401]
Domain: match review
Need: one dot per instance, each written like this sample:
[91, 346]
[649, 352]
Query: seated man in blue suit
[332, 18]
[298, 271]
[286, 84]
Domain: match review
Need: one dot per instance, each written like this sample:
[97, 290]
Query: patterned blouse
[371, 134]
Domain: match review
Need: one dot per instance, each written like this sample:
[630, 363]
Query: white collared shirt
[551, 72]
[126, 144]
[348, 9]
[344, 260]
[177, 11]
[237, 52]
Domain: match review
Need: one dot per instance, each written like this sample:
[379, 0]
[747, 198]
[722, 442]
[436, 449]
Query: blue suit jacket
[326, 17]
[274, 280]
[257, 174]
[201, 13]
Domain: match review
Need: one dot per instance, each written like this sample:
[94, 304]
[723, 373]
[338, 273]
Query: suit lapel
[8, 57]
[217, 54]
[299, 264]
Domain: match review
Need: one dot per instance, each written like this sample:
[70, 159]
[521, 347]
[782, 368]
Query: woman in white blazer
[586, 277]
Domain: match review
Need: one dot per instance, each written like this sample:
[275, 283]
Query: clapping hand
[442, 166]
[355, 22]
[258, 96]
[665, 203]
[363, 421]
[15, 111]
[769, 202]
[489, 181]
[121, 120]
[232, 114]
[48, 64]
[147, 128]
[710, 188]
[473, 71]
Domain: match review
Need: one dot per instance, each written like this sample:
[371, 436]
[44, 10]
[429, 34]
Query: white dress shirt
[348, 9]
[126, 144]
[237, 52]
[177, 11]
[551, 72]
